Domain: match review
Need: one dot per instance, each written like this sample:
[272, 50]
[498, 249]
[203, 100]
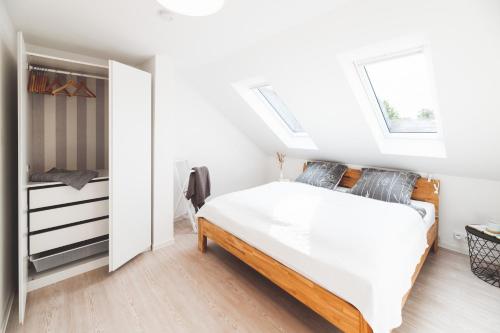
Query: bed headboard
[424, 189]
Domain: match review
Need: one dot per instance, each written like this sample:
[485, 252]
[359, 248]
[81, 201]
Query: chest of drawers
[60, 216]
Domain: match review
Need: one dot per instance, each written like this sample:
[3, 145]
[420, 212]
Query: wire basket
[484, 253]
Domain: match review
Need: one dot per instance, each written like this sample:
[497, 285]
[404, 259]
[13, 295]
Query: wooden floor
[177, 289]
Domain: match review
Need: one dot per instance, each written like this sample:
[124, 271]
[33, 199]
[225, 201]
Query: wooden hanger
[32, 86]
[70, 83]
[31, 81]
[42, 82]
[56, 85]
[83, 91]
[37, 81]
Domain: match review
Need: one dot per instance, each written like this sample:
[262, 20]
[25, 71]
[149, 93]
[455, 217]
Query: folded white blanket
[360, 249]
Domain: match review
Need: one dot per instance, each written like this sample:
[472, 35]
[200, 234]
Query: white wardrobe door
[130, 163]
[22, 150]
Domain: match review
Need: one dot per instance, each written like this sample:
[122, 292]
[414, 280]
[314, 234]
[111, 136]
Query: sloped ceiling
[294, 44]
[132, 30]
[302, 65]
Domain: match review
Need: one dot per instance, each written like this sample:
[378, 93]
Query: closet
[100, 121]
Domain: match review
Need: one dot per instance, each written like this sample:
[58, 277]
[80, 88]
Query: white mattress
[360, 249]
[430, 212]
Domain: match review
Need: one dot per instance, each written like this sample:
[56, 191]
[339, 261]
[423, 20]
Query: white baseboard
[454, 248]
[6, 314]
[164, 244]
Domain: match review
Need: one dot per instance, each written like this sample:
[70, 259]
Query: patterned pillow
[389, 186]
[323, 174]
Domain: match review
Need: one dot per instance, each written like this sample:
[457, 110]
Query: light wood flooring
[177, 289]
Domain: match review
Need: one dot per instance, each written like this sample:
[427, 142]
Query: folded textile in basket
[74, 178]
[482, 228]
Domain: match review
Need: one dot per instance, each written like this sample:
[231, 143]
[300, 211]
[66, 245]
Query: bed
[353, 266]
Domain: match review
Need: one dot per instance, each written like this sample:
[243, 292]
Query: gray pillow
[323, 174]
[389, 186]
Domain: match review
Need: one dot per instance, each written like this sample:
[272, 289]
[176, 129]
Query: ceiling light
[192, 7]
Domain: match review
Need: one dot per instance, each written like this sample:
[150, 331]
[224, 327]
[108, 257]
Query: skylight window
[394, 86]
[402, 89]
[265, 102]
[274, 102]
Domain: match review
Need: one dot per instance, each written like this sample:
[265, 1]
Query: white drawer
[65, 236]
[64, 215]
[51, 196]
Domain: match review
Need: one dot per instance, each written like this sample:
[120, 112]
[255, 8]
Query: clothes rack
[52, 70]
[182, 183]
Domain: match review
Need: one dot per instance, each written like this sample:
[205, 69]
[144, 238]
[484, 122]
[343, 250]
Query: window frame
[403, 144]
[371, 94]
[256, 90]
[266, 112]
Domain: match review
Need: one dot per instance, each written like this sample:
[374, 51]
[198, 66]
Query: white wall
[213, 126]
[186, 127]
[203, 136]
[302, 64]
[465, 201]
[8, 164]
[462, 201]
[163, 142]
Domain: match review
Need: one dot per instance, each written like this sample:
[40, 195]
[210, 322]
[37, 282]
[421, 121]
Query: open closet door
[130, 163]
[23, 129]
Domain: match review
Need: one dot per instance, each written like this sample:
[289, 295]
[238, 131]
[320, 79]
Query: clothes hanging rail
[40, 68]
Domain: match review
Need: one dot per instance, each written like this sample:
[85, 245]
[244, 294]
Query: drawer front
[65, 236]
[84, 251]
[55, 217]
[51, 196]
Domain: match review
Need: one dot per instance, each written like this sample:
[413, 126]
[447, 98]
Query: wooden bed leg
[202, 243]
[202, 239]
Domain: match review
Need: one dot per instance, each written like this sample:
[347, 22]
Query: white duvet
[360, 249]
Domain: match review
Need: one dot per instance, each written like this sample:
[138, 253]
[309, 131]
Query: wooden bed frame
[336, 310]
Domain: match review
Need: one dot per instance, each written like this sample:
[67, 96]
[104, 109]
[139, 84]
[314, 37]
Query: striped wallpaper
[70, 132]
